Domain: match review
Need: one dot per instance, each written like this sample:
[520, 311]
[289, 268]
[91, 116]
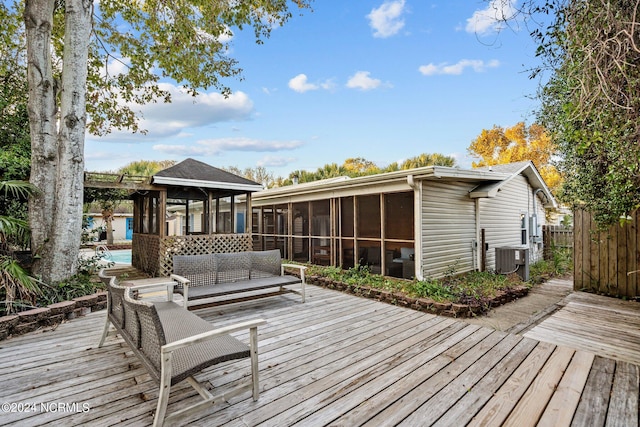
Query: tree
[592, 103]
[69, 49]
[15, 148]
[259, 174]
[516, 144]
[110, 199]
[359, 166]
[145, 167]
[426, 159]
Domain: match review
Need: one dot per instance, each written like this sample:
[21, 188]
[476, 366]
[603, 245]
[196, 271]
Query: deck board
[607, 327]
[341, 360]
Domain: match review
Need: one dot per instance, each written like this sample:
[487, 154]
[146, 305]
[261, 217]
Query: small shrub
[560, 263]
[434, 289]
[475, 288]
[77, 286]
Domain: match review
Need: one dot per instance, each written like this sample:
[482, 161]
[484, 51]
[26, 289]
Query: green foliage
[148, 40]
[15, 145]
[468, 288]
[88, 266]
[560, 263]
[354, 167]
[591, 103]
[17, 287]
[14, 231]
[434, 289]
[76, 286]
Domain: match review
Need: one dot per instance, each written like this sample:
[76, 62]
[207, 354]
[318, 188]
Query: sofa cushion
[201, 270]
[265, 264]
[233, 267]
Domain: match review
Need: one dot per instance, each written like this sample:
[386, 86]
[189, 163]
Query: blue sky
[383, 80]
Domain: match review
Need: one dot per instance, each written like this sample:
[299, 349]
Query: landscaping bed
[50, 316]
[464, 295]
[445, 308]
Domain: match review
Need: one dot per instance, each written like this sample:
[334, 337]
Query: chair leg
[105, 331]
[165, 389]
[106, 321]
[253, 344]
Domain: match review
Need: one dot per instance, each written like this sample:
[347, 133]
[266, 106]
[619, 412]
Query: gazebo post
[162, 213]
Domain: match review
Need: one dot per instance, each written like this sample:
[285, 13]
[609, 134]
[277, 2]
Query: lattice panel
[198, 245]
[144, 255]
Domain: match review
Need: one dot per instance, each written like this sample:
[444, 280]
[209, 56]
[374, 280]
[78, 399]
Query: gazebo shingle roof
[194, 170]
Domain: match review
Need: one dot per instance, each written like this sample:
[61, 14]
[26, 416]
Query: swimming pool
[121, 256]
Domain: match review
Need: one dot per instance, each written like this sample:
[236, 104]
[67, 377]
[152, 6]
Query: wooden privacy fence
[606, 262]
[556, 236]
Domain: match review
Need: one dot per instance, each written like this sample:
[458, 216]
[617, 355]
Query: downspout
[534, 222]
[534, 200]
[417, 224]
[477, 248]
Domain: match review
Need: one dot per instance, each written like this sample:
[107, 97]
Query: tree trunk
[58, 162]
[107, 216]
[42, 108]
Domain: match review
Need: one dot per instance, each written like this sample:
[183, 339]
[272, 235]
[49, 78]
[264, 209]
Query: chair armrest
[302, 268]
[185, 289]
[186, 342]
[180, 279]
[166, 284]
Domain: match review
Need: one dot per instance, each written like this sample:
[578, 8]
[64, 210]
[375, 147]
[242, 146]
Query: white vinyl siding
[448, 228]
[500, 217]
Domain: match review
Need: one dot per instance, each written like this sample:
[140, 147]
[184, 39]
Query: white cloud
[210, 147]
[275, 161]
[169, 120]
[491, 18]
[300, 84]
[476, 65]
[386, 20]
[362, 81]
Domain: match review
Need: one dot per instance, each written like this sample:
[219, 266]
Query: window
[369, 216]
[398, 221]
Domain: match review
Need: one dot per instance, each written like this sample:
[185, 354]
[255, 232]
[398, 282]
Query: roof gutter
[205, 184]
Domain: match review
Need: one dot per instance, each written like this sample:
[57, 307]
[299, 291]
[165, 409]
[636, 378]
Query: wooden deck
[336, 360]
[608, 327]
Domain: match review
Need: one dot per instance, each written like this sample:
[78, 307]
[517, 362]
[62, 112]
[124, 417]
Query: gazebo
[188, 209]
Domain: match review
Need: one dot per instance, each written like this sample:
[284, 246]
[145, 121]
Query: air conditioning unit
[513, 260]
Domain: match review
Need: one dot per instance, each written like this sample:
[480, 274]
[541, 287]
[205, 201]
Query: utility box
[513, 260]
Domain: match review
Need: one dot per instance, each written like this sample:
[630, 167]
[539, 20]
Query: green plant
[434, 289]
[559, 263]
[15, 281]
[475, 288]
[19, 288]
[74, 287]
[91, 265]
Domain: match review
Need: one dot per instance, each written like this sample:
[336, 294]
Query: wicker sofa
[202, 278]
[175, 344]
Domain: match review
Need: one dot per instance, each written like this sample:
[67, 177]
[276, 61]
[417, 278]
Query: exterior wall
[500, 216]
[119, 225]
[448, 228]
[447, 221]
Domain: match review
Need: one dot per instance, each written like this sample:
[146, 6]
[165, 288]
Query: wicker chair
[174, 344]
[115, 309]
